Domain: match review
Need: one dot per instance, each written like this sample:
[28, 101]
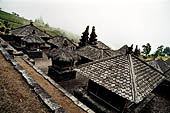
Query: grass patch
[16, 21]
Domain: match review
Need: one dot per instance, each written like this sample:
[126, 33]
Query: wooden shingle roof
[163, 65]
[154, 64]
[101, 45]
[27, 30]
[125, 75]
[123, 50]
[61, 42]
[167, 74]
[33, 38]
[168, 62]
[91, 52]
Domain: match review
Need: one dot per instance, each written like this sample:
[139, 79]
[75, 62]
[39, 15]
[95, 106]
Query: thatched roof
[64, 55]
[33, 38]
[125, 75]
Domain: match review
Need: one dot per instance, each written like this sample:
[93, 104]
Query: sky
[117, 22]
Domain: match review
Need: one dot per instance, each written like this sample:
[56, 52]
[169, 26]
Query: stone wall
[34, 54]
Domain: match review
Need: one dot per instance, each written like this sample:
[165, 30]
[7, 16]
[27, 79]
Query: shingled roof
[125, 75]
[101, 45]
[33, 38]
[123, 50]
[167, 74]
[154, 64]
[60, 41]
[27, 30]
[163, 65]
[91, 52]
[168, 62]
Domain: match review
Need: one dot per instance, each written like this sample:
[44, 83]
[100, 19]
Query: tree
[160, 48]
[167, 51]
[159, 51]
[92, 39]
[155, 55]
[85, 37]
[146, 49]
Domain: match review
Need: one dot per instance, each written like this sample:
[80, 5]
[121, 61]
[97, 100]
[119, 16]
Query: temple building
[26, 30]
[32, 45]
[122, 82]
[90, 53]
[162, 66]
[61, 42]
[62, 62]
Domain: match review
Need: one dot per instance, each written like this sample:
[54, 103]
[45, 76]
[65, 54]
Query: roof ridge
[43, 31]
[146, 64]
[167, 71]
[133, 79]
[64, 38]
[70, 41]
[22, 30]
[28, 25]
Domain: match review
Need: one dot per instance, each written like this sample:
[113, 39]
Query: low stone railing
[45, 97]
[42, 94]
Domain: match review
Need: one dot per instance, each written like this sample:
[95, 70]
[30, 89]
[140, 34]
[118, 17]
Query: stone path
[57, 95]
[15, 94]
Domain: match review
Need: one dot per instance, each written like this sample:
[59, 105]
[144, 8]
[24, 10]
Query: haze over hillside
[117, 22]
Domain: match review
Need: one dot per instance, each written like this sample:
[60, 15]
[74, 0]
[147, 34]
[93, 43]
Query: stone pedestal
[59, 76]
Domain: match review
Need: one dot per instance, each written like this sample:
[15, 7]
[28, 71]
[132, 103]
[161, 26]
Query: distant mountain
[16, 21]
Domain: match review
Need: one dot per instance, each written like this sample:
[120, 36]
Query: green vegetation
[146, 49]
[161, 52]
[13, 18]
[14, 21]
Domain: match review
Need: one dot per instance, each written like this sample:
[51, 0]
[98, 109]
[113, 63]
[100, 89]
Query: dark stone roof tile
[27, 30]
[125, 75]
[91, 52]
[61, 42]
[33, 38]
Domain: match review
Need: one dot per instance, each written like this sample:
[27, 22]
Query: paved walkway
[57, 95]
[15, 95]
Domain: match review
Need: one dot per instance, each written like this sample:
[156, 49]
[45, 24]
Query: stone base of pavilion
[97, 104]
[61, 76]
[34, 54]
[17, 47]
